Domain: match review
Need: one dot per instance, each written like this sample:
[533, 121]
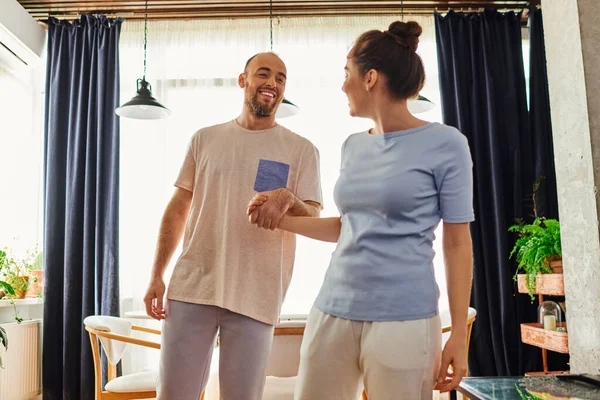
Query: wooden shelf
[546, 284]
[535, 335]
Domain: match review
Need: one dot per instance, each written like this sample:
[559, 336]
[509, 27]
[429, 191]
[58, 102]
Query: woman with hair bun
[375, 321]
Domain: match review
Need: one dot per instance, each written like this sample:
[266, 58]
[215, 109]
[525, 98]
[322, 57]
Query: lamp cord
[145, 37]
[271, 22]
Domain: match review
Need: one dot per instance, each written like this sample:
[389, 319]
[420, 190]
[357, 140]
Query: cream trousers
[394, 360]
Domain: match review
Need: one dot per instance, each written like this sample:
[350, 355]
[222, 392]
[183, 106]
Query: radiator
[21, 376]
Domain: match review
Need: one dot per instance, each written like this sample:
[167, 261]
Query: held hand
[273, 206]
[154, 299]
[454, 356]
[258, 200]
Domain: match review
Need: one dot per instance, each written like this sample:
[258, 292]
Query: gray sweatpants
[188, 339]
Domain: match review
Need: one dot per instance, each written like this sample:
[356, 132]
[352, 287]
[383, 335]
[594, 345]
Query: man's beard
[259, 109]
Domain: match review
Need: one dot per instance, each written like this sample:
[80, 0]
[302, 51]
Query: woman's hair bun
[408, 32]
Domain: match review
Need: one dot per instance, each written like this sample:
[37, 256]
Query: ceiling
[197, 9]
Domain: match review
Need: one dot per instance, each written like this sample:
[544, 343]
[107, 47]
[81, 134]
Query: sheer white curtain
[193, 68]
[21, 160]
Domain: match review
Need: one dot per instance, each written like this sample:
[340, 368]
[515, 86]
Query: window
[21, 159]
[193, 67]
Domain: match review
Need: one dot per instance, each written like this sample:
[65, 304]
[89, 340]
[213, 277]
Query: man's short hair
[258, 54]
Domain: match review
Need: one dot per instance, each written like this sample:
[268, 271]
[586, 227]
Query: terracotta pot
[1, 294]
[557, 266]
[36, 279]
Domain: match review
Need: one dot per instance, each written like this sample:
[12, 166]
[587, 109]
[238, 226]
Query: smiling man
[231, 277]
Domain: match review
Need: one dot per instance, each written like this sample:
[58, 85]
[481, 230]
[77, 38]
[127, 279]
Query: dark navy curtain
[541, 123]
[81, 184]
[483, 93]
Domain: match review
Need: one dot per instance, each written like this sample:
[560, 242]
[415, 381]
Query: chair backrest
[114, 349]
[284, 360]
[447, 324]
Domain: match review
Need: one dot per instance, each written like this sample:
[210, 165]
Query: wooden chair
[447, 328]
[115, 334]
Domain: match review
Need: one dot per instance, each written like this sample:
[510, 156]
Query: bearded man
[231, 278]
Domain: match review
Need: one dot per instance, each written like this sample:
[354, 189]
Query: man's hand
[154, 299]
[266, 209]
[455, 355]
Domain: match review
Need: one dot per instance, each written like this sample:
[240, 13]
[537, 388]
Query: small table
[139, 314]
[505, 388]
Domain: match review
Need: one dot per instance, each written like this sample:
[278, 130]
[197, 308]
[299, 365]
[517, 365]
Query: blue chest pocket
[271, 175]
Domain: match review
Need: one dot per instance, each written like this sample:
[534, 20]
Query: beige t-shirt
[226, 261]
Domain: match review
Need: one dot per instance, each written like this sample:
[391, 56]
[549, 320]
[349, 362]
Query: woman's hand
[258, 200]
[455, 356]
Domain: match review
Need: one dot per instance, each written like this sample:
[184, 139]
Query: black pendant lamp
[143, 105]
[286, 108]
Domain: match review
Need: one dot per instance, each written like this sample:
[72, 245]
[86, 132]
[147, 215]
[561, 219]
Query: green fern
[537, 245]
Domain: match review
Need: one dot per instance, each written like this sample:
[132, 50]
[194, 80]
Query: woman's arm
[458, 260]
[324, 229]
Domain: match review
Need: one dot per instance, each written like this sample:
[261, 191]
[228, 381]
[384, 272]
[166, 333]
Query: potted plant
[16, 274]
[6, 264]
[18, 278]
[35, 262]
[538, 250]
[5, 289]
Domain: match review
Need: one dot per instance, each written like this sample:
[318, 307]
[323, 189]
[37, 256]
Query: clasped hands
[266, 209]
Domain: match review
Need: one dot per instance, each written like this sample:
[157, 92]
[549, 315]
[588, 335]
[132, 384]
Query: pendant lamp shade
[143, 105]
[286, 109]
[420, 105]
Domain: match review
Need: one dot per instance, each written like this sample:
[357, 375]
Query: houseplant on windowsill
[6, 263]
[35, 263]
[538, 250]
[16, 273]
[18, 278]
[5, 289]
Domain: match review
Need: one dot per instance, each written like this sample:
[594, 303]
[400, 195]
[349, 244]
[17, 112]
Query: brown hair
[393, 54]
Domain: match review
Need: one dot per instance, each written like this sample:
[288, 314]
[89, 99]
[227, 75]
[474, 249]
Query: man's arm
[171, 231]
[301, 208]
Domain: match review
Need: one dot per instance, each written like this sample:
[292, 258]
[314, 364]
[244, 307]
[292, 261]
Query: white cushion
[138, 382]
[277, 388]
[284, 359]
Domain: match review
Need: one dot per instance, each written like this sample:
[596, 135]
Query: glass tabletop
[527, 388]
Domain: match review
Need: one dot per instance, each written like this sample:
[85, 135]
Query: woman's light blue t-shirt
[393, 190]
